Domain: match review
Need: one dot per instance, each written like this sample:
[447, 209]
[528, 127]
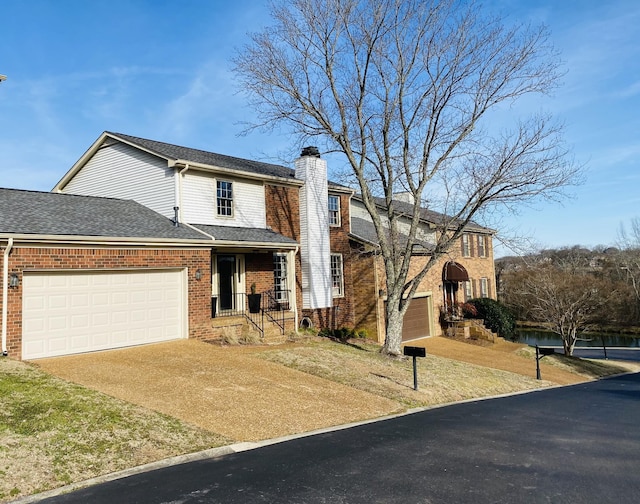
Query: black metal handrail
[272, 304]
[277, 305]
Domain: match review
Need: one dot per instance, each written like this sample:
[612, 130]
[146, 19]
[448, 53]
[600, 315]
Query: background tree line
[575, 289]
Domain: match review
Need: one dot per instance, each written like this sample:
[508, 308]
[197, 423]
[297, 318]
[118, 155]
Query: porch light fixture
[14, 281]
[198, 274]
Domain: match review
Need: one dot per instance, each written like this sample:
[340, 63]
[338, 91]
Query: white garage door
[72, 312]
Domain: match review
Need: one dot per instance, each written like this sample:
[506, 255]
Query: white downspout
[5, 293]
[294, 296]
[178, 192]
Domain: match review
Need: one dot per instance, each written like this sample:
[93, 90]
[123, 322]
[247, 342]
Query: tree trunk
[393, 338]
[569, 342]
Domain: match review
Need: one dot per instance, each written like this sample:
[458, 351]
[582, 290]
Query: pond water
[546, 338]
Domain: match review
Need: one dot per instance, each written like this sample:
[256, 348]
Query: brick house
[465, 272]
[224, 227]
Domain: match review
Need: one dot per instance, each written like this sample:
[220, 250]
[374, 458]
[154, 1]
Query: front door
[226, 266]
[450, 297]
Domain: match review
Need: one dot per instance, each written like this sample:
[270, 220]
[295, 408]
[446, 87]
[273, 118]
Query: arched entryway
[452, 274]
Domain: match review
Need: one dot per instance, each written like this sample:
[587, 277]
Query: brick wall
[32, 258]
[283, 216]
[283, 210]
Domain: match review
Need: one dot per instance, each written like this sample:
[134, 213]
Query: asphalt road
[615, 353]
[578, 444]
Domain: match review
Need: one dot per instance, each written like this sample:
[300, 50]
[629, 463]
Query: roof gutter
[99, 240]
[5, 293]
[253, 245]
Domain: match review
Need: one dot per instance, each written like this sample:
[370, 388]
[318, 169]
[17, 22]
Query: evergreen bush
[497, 317]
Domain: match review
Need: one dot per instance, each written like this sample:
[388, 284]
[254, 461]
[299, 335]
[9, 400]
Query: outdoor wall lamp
[14, 281]
[198, 274]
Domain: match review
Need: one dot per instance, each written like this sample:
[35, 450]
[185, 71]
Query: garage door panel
[57, 323]
[57, 302]
[416, 320]
[74, 312]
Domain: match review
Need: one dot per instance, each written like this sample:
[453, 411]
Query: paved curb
[222, 451]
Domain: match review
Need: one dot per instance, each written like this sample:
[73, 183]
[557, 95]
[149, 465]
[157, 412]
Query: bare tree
[404, 89]
[627, 260]
[569, 300]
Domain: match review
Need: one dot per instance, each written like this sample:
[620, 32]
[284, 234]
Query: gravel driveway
[227, 390]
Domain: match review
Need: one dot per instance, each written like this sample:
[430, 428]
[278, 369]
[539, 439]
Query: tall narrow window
[484, 287]
[225, 198]
[337, 279]
[466, 245]
[468, 290]
[280, 278]
[482, 246]
[334, 210]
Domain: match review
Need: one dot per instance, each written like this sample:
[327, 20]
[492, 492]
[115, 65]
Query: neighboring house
[465, 272]
[222, 227]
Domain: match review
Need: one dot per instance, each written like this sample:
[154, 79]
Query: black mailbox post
[415, 351]
[540, 353]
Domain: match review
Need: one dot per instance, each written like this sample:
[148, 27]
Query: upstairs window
[482, 246]
[225, 198]
[466, 245]
[334, 210]
[337, 279]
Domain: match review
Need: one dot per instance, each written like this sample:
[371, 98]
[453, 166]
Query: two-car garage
[68, 312]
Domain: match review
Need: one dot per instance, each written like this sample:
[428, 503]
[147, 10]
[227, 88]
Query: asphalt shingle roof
[242, 234]
[175, 152]
[364, 230]
[425, 214]
[43, 213]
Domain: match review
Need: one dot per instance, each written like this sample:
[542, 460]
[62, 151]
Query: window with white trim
[337, 278]
[468, 290]
[484, 287]
[482, 246]
[224, 198]
[466, 245]
[334, 210]
[280, 291]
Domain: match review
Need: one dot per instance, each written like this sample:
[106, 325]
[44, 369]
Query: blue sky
[160, 69]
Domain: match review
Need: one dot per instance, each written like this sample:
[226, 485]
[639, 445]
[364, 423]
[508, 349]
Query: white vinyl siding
[124, 172]
[199, 201]
[74, 312]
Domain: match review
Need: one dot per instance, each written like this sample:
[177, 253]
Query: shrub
[497, 317]
[343, 334]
